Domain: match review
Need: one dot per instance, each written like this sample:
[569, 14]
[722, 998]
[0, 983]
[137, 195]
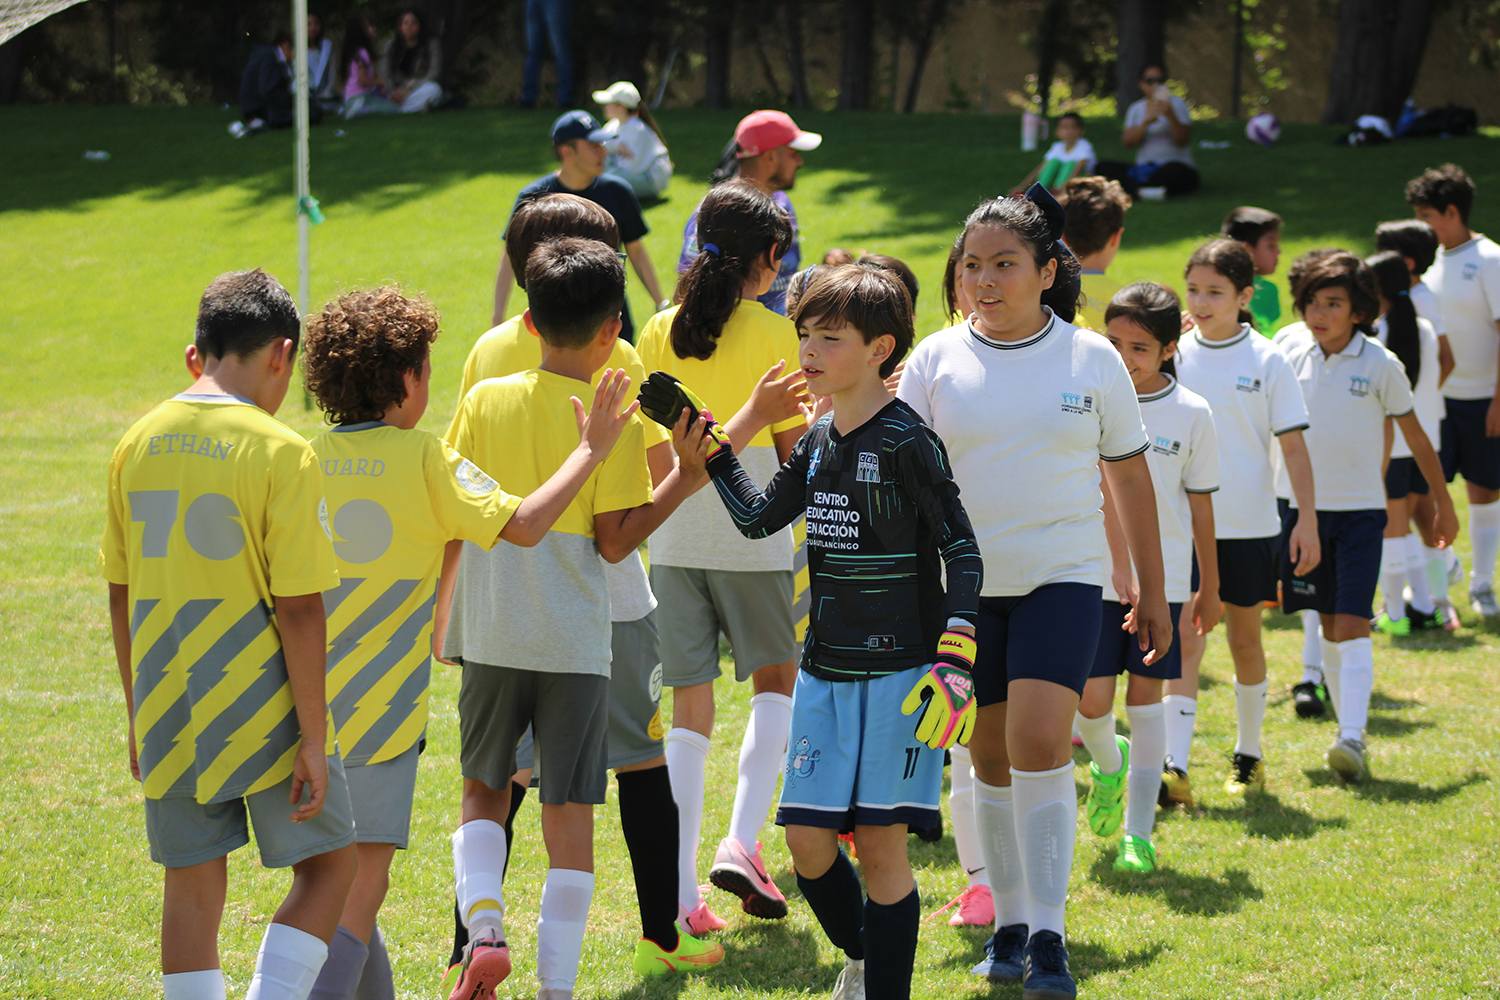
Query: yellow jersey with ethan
[395, 498]
[215, 510]
[544, 608]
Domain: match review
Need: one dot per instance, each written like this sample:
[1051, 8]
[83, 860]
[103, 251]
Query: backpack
[1452, 120]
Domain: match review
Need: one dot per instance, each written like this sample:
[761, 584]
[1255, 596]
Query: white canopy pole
[304, 223]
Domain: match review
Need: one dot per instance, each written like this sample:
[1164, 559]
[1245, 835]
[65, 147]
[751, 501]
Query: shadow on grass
[1195, 895]
[1379, 790]
[1085, 959]
[1264, 815]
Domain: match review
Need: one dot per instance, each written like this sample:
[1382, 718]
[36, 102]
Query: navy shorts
[1050, 634]
[1344, 582]
[1463, 446]
[1247, 569]
[1119, 653]
[1403, 478]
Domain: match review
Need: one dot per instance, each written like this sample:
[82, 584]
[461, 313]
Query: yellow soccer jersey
[753, 340]
[1098, 289]
[215, 509]
[395, 498]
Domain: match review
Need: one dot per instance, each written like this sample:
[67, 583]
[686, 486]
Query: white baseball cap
[623, 92]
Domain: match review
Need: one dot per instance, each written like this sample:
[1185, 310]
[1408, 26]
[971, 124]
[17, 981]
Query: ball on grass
[1264, 128]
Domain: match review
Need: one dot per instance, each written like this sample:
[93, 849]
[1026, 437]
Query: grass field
[1389, 889]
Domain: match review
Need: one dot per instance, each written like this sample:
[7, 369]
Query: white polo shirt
[1349, 395]
[1467, 282]
[1427, 397]
[1026, 424]
[1254, 395]
[1184, 458]
[1428, 307]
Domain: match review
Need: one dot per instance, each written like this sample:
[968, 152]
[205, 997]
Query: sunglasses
[1153, 79]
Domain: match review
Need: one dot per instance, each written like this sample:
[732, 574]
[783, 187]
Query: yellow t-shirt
[1098, 289]
[395, 498]
[215, 510]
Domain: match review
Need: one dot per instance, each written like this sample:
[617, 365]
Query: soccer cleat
[1482, 600]
[1455, 567]
[1249, 775]
[1347, 758]
[651, 959]
[450, 978]
[486, 964]
[976, 908]
[1136, 855]
[702, 920]
[1306, 701]
[851, 982]
[847, 839]
[1045, 975]
[1396, 627]
[1106, 801]
[1004, 954]
[1446, 615]
[1176, 789]
[738, 871]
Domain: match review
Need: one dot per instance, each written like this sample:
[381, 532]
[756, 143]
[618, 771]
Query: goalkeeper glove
[663, 398]
[947, 690]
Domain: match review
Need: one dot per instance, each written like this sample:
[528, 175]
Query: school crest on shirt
[1359, 386]
[1247, 384]
[1165, 446]
[869, 468]
[472, 478]
[1073, 402]
[1470, 272]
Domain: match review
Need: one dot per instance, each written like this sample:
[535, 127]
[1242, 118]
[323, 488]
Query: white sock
[1393, 576]
[1437, 572]
[1148, 753]
[1249, 716]
[1358, 681]
[559, 927]
[1312, 648]
[206, 984]
[961, 807]
[761, 755]
[687, 755]
[479, 852]
[1099, 740]
[996, 816]
[1416, 575]
[1046, 810]
[1181, 712]
[1333, 662]
[1484, 542]
[287, 965]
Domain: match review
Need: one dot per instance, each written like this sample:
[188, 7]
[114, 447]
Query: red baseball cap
[761, 131]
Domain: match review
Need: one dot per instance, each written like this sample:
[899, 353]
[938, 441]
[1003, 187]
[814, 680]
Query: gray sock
[376, 983]
[341, 972]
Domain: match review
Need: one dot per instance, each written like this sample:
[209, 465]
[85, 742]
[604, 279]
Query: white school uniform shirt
[1184, 458]
[639, 138]
[1025, 425]
[1428, 307]
[1427, 397]
[1082, 151]
[1255, 399]
[1349, 395]
[1283, 337]
[1466, 280]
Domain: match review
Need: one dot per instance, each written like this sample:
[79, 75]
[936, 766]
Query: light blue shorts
[853, 759]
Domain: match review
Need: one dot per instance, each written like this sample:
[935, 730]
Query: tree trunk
[794, 53]
[859, 38]
[758, 44]
[455, 25]
[1143, 42]
[717, 50]
[1049, 24]
[633, 29]
[933, 15]
[12, 61]
[1375, 64]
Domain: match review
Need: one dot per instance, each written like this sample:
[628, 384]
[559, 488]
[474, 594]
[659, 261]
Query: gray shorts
[570, 713]
[635, 729]
[184, 832]
[752, 608]
[382, 795]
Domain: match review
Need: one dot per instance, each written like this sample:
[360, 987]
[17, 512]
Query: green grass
[1313, 890]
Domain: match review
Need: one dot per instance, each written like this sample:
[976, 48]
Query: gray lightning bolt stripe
[208, 670]
[402, 704]
[333, 598]
[396, 649]
[159, 740]
[379, 610]
[140, 613]
[218, 733]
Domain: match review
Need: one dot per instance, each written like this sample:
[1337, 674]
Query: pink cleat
[976, 908]
[738, 871]
[486, 964]
[701, 921]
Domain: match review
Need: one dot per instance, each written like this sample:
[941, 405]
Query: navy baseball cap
[577, 125]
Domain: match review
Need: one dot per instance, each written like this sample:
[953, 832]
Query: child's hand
[692, 444]
[778, 397]
[893, 380]
[1208, 610]
[1445, 525]
[820, 406]
[309, 770]
[1123, 580]
[1304, 545]
[602, 426]
[1151, 622]
[135, 763]
[1188, 323]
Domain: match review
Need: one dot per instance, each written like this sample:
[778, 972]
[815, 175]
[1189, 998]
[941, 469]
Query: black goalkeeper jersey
[881, 507]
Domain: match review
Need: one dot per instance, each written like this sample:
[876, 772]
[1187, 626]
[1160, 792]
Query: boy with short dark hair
[531, 627]
[1096, 210]
[1260, 231]
[217, 556]
[881, 506]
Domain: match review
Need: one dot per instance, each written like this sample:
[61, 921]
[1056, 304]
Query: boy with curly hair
[1096, 208]
[396, 496]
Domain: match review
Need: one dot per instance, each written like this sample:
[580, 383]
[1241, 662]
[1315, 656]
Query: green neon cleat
[1106, 801]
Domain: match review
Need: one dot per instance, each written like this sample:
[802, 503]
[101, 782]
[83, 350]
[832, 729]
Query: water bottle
[1033, 131]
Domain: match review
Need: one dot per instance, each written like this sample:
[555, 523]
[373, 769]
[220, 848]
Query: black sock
[648, 818]
[460, 932]
[891, 943]
[838, 903]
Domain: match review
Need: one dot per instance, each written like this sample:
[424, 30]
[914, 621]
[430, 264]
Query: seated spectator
[1159, 128]
[364, 89]
[1070, 156]
[266, 89]
[637, 149]
[411, 63]
[322, 67]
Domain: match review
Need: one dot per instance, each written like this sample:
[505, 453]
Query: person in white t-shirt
[1028, 404]
[1466, 278]
[1070, 156]
[1159, 127]
[1255, 401]
[1144, 322]
[637, 148]
[1351, 385]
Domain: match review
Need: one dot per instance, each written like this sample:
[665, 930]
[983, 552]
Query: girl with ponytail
[708, 576]
[1030, 408]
